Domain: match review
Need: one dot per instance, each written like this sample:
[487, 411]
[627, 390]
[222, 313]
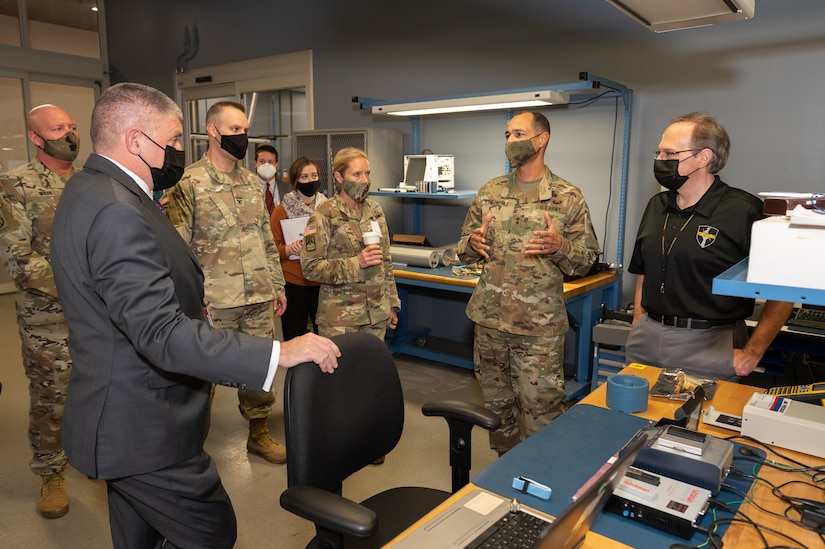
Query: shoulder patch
[309, 243]
[310, 230]
[7, 222]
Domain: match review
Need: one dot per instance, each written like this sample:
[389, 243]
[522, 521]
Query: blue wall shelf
[734, 282]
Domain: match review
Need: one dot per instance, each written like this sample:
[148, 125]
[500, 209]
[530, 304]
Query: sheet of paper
[483, 503]
[293, 229]
[785, 194]
[803, 216]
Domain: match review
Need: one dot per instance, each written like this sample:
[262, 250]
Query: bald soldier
[28, 199]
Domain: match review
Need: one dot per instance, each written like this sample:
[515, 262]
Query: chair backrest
[336, 424]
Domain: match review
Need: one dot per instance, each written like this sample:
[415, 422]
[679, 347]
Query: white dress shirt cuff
[273, 365]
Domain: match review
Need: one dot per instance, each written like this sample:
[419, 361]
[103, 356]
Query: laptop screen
[416, 168]
[570, 528]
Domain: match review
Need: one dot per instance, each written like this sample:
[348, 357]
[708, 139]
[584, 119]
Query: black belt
[679, 322]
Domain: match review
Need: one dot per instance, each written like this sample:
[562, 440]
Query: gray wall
[763, 79]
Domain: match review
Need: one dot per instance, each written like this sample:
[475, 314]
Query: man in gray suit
[143, 349]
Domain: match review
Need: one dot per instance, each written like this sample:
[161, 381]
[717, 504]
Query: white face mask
[267, 171]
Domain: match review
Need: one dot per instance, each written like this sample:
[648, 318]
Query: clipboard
[293, 229]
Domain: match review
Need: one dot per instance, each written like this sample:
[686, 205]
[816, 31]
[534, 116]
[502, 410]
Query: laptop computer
[471, 518]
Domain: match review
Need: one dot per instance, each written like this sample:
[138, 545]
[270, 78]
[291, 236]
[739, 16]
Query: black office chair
[336, 424]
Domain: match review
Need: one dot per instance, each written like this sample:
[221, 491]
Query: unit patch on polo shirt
[706, 235]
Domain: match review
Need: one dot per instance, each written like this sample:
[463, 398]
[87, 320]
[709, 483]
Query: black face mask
[667, 173]
[235, 145]
[308, 189]
[174, 161]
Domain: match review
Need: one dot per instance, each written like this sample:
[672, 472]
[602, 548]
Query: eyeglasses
[305, 177]
[672, 154]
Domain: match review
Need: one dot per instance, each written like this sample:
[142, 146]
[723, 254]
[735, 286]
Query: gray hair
[128, 105]
[708, 133]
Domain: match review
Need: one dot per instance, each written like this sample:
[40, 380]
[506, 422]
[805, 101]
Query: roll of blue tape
[627, 393]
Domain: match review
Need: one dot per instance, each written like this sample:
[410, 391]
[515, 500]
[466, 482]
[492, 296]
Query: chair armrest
[330, 511]
[463, 411]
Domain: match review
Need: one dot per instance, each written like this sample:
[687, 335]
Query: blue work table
[583, 299]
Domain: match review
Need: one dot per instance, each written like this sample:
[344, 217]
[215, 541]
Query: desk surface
[443, 275]
[592, 541]
[730, 398]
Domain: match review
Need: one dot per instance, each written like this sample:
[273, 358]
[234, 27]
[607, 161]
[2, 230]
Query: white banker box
[787, 254]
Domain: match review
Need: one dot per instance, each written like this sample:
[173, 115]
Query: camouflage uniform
[351, 298]
[28, 199]
[518, 304]
[224, 222]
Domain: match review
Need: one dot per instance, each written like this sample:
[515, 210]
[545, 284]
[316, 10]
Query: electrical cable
[799, 505]
[586, 103]
[758, 527]
[752, 501]
[803, 467]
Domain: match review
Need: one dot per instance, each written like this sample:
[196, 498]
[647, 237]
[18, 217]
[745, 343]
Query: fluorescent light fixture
[541, 98]
[669, 15]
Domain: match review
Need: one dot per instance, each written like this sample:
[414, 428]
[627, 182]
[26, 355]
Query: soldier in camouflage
[529, 228]
[358, 290]
[28, 199]
[218, 208]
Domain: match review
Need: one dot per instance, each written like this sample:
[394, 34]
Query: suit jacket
[143, 353]
[282, 186]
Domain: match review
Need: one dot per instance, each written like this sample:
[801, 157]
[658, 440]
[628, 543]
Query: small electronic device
[658, 501]
[698, 459]
[438, 169]
[713, 416]
[813, 392]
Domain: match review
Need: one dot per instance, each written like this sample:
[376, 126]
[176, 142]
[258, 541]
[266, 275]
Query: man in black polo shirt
[690, 234]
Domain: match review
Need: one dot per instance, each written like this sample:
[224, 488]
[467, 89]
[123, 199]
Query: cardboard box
[411, 240]
[787, 255]
[784, 206]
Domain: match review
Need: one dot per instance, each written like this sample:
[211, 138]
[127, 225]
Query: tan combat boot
[54, 502]
[261, 444]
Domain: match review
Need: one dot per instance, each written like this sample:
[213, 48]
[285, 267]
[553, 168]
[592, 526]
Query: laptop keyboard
[808, 319]
[514, 530]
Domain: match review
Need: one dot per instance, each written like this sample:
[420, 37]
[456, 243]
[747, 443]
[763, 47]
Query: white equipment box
[787, 254]
[786, 423]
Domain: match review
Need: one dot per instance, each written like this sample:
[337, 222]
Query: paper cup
[372, 237]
